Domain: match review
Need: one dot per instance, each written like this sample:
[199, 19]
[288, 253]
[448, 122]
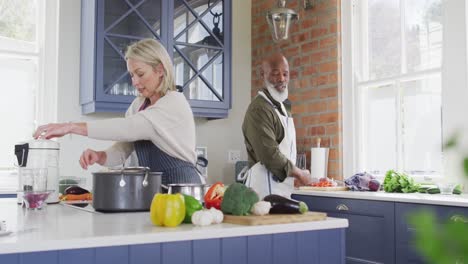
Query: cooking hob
[80, 205]
[88, 207]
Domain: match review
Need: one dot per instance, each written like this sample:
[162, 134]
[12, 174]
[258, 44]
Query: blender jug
[40, 153]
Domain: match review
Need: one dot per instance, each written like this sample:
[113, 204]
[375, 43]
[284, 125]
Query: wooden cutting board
[313, 188]
[272, 219]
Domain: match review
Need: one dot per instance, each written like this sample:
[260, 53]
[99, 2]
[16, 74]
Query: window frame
[45, 53]
[453, 72]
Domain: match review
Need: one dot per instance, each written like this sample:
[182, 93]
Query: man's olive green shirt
[263, 132]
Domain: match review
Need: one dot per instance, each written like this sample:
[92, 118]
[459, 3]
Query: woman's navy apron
[174, 170]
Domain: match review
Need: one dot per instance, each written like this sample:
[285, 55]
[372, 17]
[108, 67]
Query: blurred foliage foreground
[442, 242]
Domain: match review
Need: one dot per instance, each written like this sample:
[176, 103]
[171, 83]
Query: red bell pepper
[214, 196]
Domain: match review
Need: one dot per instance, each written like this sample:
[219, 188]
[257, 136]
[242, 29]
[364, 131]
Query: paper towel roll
[319, 162]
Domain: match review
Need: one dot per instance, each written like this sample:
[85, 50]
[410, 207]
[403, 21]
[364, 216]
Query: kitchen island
[62, 234]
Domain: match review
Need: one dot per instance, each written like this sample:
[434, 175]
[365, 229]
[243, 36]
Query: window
[22, 49]
[393, 115]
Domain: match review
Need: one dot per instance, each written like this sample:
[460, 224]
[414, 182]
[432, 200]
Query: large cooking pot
[128, 189]
[193, 189]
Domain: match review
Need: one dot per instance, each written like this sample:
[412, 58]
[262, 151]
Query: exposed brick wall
[313, 52]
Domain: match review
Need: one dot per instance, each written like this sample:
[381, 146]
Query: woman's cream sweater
[168, 123]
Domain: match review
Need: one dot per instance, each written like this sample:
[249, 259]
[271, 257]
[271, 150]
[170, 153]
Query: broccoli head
[238, 199]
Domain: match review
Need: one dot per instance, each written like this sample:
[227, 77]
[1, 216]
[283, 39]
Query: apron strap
[269, 181]
[246, 176]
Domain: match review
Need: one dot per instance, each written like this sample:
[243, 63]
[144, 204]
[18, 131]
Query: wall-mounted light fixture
[279, 20]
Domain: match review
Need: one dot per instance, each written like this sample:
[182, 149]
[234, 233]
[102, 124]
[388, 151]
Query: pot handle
[143, 169]
[165, 186]
[145, 180]
[146, 170]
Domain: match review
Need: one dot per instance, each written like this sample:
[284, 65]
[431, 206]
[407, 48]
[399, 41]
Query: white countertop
[420, 198]
[61, 227]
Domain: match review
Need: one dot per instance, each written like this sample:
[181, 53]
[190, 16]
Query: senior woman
[158, 125]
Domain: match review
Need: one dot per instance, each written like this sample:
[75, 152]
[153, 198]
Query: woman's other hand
[90, 157]
[60, 129]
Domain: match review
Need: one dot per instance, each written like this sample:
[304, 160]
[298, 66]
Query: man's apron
[263, 181]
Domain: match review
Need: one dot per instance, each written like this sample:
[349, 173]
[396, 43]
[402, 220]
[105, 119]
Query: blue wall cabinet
[368, 237]
[197, 35]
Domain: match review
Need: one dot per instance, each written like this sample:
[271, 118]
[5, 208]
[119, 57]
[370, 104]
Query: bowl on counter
[35, 200]
[446, 187]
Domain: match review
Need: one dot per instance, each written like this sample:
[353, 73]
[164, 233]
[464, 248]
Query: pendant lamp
[280, 20]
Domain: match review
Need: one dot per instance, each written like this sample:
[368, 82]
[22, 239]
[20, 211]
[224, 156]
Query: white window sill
[8, 181]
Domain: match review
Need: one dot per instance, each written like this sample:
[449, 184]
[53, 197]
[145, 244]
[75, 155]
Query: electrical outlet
[233, 156]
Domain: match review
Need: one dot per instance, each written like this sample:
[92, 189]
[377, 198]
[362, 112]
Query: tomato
[322, 183]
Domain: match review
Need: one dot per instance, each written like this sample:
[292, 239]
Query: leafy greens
[399, 182]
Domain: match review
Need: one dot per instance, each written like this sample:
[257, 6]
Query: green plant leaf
[440, 242]
[451, 142]
[465, 165]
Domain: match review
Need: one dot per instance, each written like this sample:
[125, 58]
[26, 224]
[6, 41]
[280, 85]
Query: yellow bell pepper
[167, 209]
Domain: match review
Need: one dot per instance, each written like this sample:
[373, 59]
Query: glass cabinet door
[199, 50]
[123, 22]
[196, 34]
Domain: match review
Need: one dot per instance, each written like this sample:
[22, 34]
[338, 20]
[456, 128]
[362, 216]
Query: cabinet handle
[459, 218]
[342, 207]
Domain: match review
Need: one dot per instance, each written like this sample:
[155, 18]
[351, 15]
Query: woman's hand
[90, 157]
[60, 129]
[52, 130]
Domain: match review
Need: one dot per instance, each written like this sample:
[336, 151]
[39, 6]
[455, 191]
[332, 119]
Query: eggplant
[63, 184]
[75, 190]
[283, 205]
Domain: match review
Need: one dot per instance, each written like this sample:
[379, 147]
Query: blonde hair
[153, 53]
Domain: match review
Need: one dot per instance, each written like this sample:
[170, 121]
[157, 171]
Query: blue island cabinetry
[322, 246]
[378, 231]
[197, 35]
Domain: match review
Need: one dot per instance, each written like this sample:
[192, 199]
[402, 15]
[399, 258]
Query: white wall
[218, 136]
[454, 100]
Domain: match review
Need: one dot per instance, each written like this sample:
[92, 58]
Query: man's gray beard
[278, 96]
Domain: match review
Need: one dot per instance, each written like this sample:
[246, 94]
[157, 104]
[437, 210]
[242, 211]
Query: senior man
[270, 135]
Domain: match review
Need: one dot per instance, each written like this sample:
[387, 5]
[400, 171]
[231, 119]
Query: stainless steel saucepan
[128, 189]
[194, 189]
